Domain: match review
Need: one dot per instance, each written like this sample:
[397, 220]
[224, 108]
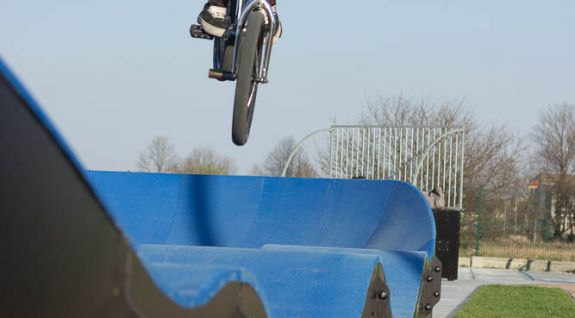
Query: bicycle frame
[253, 68]
[241, 15]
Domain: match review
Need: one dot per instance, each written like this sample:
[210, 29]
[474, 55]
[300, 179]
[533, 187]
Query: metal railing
[428, 157]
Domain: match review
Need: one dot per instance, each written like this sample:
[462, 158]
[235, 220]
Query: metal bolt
[382, 295]
[438, 269]
[436, 294]
[429, 279]
[427, 307]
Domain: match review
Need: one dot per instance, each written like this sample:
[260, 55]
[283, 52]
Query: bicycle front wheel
[249, 56]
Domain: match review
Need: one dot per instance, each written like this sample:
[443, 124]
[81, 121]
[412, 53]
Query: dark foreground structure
[79, 243]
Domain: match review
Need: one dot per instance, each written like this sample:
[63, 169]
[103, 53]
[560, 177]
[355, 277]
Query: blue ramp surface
[269, 227]
[164, 245]
[294, 284]
[253, 211]
[402, 272]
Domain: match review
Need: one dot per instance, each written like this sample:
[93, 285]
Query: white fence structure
[427, 157]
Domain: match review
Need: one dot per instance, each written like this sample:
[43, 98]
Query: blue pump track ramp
[80, 243]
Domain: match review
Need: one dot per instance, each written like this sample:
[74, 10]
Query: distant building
[544, 179]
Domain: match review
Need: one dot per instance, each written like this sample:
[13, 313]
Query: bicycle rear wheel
[249, 56]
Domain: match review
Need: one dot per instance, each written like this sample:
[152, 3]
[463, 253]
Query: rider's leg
[213, 18]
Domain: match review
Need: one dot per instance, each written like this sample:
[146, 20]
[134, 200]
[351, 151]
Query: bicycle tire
[246, 84]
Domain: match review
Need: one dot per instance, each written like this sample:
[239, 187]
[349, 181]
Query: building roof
[546, 179]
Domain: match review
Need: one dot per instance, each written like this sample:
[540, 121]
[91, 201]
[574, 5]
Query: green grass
[518, 301]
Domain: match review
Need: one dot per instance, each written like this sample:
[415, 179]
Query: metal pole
[504, 215]
[427, 139]
[369, 153]
[478, 224]
[462, 168]
[433, 170]
[411, 159]
[362, 174]
[339, 151]
[338, 162]
[405, 154]
[540, 207]
[348, 159]
[390, 159]
[450, 165]
[296, 148]
[379, 160]
[330, 154]
[417, 151]
[515, 216]
[455, 176]
[443, 181]
[396, 150]
[426, 153]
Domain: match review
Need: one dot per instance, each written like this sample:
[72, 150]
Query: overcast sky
[114, 74]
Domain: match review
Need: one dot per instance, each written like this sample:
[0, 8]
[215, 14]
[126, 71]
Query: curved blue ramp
[388, 220]
[294, 284]
[250, 212]
[160, 245]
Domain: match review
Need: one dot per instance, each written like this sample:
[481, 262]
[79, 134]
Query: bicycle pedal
[196, 31]
[221, 75]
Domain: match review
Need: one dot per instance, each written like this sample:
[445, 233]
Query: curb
[517, 264]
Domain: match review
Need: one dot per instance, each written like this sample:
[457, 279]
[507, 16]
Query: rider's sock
[218, 12]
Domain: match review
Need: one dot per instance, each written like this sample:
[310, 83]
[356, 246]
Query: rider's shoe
[213, 20]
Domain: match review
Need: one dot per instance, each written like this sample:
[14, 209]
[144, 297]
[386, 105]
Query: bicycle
[243, 54]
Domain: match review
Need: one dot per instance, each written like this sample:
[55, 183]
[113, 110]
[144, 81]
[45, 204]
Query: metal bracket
[377, 303]
[430, 291]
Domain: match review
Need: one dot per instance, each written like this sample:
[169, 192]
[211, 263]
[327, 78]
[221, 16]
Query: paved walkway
[454, 294]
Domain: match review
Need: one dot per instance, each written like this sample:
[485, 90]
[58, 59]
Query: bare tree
[493, 159]
[415, 112]
[275, 162]
[257, 170]
[204, 160]
[492, 155]
[554, 139]
[494, 178]
[159, 156]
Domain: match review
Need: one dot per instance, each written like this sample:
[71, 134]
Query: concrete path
[455, 294]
